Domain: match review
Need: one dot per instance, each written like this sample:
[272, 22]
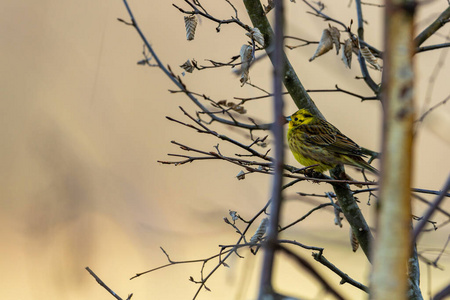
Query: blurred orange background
[83, 127]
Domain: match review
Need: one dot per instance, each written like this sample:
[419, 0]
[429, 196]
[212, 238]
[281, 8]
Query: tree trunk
[393, 240]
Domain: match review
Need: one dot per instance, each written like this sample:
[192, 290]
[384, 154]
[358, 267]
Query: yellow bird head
[302, 116]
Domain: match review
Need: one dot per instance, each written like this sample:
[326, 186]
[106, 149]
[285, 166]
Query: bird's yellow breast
[304, 154]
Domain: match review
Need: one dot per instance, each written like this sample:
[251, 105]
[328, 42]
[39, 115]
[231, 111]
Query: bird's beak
[288, 119]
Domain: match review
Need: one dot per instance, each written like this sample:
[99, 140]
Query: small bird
[313, 140]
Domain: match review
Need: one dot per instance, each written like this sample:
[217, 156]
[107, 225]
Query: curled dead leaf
[325, 44]
[260, 231]
[240, 175]
[335, 37]
[239, 109]
[370, 58]
[256, 35]
[190, 22]
[353, 241]
[188, 66]
[246, 54]
[355, 41]
[347, 51]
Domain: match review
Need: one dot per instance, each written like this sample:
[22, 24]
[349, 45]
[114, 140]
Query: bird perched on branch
[313, 140]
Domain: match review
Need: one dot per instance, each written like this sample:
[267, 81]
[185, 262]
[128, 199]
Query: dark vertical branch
[278, 133]
[393, 242]
[353, 214]
[414, 275]
[360, 19]
[362, 63]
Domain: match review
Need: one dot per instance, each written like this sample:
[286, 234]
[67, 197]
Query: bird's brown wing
[326, 135]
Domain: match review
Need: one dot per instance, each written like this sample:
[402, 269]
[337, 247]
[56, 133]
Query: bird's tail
[363, 164]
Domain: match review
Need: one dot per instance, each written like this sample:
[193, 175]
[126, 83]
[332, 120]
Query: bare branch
[430, 211]
[352, 213]
[305, 216]
[433, 27]
[345, 278]
[372, 4]
[295, 243]
[362, 63]
[205, 14]
[307, 266]
[338, 89]
[442, 251]
[319, 13]
[425, 114]
[305, 42]
[99, 281]
[432, 47]
[434, 75]
[177, 80]
[442, 294]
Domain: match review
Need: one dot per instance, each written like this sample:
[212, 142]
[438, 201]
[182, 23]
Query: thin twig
[425, 114]
[177, 80]
[305, 216]
[419, 227]
[432, 47]
[309, 268]
[99, 281]
[325, 17]
[433, 27]
[344, 277]
[205, 14]
[338, 89]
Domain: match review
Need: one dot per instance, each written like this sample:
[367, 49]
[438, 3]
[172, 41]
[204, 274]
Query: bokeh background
[83, 126]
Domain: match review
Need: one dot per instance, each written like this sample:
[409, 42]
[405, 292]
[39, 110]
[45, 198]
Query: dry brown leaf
[355, 41]
[368, 56]
[245, 76]
[325, 44]
[353, 241]
[246, 57]
[336, 37]
[188, 66]
[347, 52]
[239, 109]
[190, 22]
[260, 231]
[255, 34]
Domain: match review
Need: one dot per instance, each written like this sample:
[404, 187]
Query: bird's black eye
[295, 119]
